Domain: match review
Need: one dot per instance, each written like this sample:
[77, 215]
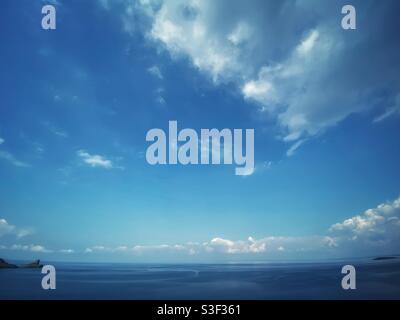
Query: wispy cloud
[7, 156]
[156, 72]
[394, 110]
[55, 130]
[292, 150]
[159, 93]
[95, 160]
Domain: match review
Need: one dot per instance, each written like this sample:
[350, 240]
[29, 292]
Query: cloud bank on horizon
[373, 232]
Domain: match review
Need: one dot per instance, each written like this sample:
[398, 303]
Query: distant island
[34, 265]
[385, 258]
[6, 265]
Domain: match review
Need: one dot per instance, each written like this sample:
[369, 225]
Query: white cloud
[330, 242]
[38, 248]
[31, 247]
[222, 246]
[260, 90]
[229, 246]
[5, 228]
[8, 229]
[379, 226]
[308, 43]
[156, 72]
[290, 91]
[199, 36]
[1, 140]
[67, 251]
[182, 26]
[217, 245]
[287, 57]
[95, 161]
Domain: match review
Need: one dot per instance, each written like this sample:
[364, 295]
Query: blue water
[375, 280]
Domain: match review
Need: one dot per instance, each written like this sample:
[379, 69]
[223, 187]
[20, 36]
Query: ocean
[374, 280]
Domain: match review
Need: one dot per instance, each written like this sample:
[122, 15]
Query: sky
[77, 102]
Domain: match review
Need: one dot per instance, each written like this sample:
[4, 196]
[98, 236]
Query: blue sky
[77, 102]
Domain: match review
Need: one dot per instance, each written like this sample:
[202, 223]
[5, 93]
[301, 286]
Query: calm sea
[375, 280]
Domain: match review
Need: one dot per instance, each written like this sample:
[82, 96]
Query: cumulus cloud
[378, 226]
[228, 246]
[183, 28]
[290, 57]
[9, 229]
[95, 161]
